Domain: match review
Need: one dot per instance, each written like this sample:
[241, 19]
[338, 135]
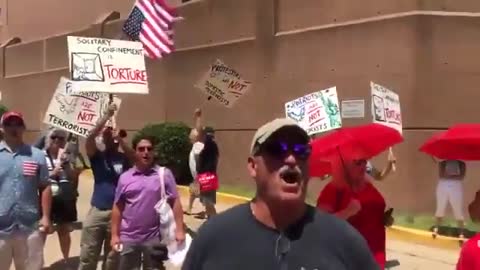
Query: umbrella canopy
[359, 142]
[460, 141]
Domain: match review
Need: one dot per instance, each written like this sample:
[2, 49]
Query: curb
[396, 232]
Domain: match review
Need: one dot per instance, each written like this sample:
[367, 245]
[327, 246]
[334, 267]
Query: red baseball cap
[10, 115]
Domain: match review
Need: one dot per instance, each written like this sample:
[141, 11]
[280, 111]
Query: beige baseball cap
[268, 129]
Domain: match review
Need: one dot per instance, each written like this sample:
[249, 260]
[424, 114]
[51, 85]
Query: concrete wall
[287, 48]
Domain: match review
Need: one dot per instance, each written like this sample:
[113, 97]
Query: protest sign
[316, 112]
[105, 65]
[354, 108]
[223, 83]
[78, 112]
[386, 107]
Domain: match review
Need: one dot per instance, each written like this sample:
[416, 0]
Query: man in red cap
[24, 175]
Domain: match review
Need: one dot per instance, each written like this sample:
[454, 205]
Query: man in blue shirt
[23, 176]
[107, 165]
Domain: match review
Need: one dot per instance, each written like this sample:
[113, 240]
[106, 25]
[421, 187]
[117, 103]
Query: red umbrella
[360, 142]
[319, 168]
[460, 141]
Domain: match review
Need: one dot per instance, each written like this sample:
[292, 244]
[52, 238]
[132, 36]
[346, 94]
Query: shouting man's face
[280, 166]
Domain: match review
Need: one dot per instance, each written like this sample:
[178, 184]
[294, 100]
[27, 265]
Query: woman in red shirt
[351, 196]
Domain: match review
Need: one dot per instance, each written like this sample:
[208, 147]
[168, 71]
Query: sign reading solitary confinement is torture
[105, 65]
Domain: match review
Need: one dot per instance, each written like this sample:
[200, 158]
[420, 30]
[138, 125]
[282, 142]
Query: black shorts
[63, 211]
[208, 197]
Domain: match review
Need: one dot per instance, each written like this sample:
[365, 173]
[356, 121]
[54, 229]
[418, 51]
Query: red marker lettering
[120, 75]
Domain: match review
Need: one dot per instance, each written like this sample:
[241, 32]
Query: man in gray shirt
[277, 229]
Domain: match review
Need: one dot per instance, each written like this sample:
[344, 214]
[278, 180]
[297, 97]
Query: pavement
[411, 254]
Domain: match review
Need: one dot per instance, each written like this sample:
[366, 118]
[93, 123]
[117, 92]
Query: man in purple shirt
[135, 222]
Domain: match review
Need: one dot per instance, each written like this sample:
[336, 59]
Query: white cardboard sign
[78, 112]
[316, 112]
[106, 65]
[386, 107]
[223, 84]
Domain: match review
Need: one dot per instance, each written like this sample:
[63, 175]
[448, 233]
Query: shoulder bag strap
[50, 159]
[161, 174]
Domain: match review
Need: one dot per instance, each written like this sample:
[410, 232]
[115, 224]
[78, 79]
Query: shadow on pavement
[391, 263]
[453, 231]
[72, 263]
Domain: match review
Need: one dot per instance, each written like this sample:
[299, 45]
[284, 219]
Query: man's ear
[252, 167]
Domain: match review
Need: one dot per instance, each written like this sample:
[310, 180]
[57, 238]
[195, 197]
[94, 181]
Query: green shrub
[172, 147]
[3, 109]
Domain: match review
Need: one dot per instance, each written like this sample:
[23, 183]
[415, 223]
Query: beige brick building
[425, 50]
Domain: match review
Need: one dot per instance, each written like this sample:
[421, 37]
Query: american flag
[150, 22]
[30, 168]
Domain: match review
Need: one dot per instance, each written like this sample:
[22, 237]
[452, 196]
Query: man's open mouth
[290, 176]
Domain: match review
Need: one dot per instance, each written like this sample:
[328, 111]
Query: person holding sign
[450, 190]
[351, 196]
[197, 147]
[380, 175]
[107, 165]
[207, 171]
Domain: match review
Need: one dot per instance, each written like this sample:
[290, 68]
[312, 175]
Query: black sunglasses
[282, 150]
[144, 149]
[55, 137]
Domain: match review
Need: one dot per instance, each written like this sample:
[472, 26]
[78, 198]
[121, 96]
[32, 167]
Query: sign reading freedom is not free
[106, 65]
[77, 112]
[316, 112]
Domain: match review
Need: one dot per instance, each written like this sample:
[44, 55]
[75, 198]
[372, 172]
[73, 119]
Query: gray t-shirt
[236, 240]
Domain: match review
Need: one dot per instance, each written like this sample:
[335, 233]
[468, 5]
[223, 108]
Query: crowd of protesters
[276, 230]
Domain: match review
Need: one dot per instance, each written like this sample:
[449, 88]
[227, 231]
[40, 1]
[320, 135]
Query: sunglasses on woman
[56, 137]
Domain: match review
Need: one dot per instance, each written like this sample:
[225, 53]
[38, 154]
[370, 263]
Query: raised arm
[90, 145]
[129, 152]
[381, 175]
[197, 120]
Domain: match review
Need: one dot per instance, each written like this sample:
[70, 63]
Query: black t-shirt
[319, 241]
[208, 158]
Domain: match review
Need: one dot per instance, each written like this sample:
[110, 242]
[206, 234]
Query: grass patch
[420, 222]
[249, 192]
[239, 190]
[425, 222]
